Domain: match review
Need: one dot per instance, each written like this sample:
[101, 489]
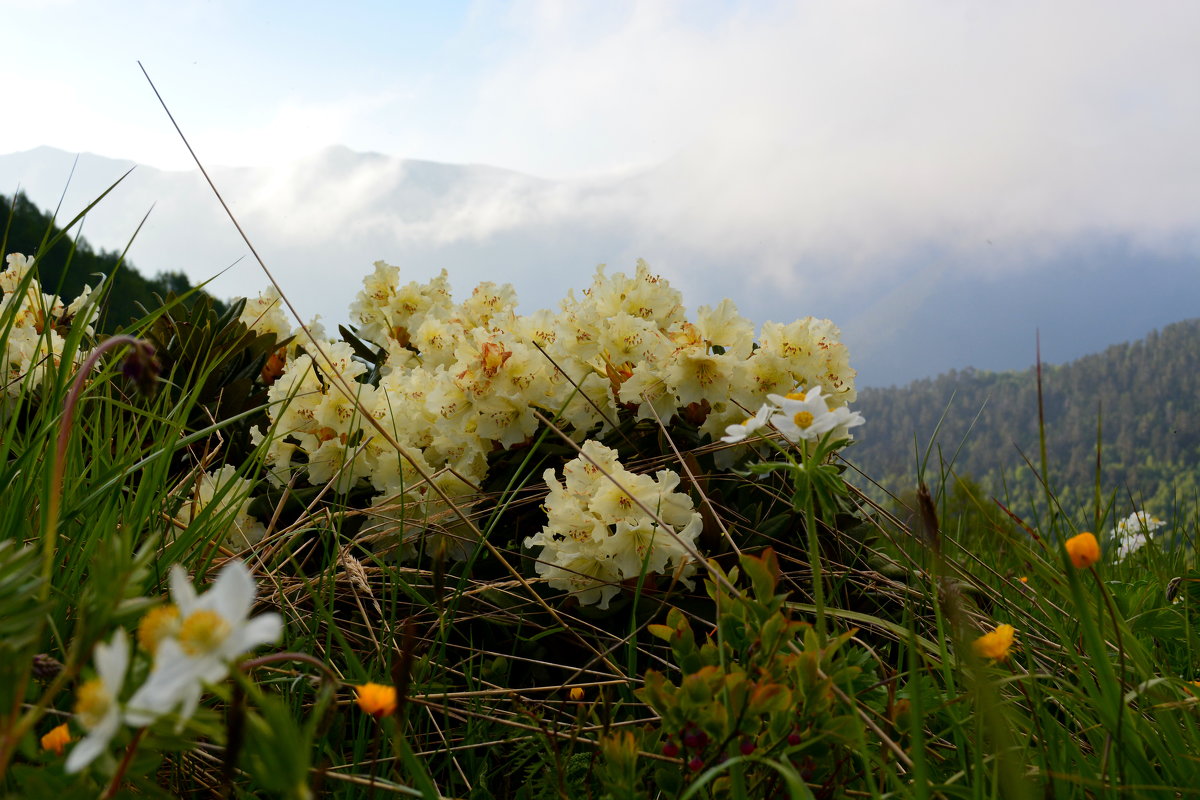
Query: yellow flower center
[203, 632]
[801, 396]
[158, 624]
[92, 702]
[803, 419]
[493, 358]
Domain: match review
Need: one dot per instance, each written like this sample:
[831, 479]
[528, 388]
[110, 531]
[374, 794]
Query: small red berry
[696, 764]
[746, 747]
[692, 739]
[670, 750]
[793, 739]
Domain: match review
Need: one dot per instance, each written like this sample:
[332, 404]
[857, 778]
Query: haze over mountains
[955, 298]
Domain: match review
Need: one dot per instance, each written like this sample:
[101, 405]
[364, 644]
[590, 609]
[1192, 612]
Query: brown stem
[115, 785]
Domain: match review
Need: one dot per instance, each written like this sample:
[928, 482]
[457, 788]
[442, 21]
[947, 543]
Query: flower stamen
[203, 632]
[158, 624]
[92, 702]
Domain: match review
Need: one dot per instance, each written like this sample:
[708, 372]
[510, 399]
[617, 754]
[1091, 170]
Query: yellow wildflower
[57, 739]
[376, 699]
[1083, 549]
[995, 645]
[576, 693]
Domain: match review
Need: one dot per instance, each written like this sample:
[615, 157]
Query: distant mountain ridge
[1144, 395]
[321, 222]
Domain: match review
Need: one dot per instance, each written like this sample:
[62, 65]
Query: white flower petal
[232, 595]
[263, 629]
[173, 672]
[182, 591]
[112, 659]
[94, 743]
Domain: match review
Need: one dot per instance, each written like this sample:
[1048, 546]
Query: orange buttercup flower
[995, 645]
[576, 693]
[376, 699]
[1083, 549]
[57, 739]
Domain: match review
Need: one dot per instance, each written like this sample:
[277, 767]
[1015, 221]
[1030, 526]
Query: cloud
[799, 157]
[763, 132]
[850, 131]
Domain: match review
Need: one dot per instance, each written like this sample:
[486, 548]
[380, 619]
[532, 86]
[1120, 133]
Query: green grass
[758, 682]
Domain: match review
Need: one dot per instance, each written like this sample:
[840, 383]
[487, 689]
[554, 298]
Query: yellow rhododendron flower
[995, 645]
[57, 739]
[376, 699]
[1083, 549]
[597, 535]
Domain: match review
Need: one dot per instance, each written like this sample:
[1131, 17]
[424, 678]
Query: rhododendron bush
[422, 394]
[34, 323]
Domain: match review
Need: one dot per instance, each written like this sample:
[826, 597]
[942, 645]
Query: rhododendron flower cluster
[33, 321]
[600, 532]
[229, 495]
[264, 314]
[462, 380]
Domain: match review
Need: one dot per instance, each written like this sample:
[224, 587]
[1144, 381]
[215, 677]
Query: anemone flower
[96, 706]
[215, 628]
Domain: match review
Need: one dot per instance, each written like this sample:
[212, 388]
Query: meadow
[602, 551]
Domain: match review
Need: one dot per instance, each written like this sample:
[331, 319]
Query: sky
[816, 148]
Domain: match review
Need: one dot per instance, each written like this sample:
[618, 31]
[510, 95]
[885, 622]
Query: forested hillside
[1144, 395]
[66, 266]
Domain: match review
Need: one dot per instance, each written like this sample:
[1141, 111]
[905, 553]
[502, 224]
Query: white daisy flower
[213, 630]
[738, 432]
[806, 416]
[1135, 532]
[96, 706]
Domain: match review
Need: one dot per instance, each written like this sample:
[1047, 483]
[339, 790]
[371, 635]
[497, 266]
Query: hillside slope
[68, 265]
[1145, 395]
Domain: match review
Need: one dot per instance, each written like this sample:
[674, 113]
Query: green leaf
[20, 610]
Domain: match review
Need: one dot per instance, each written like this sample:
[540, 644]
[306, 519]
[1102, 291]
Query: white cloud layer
[780, 151]
[822, 128]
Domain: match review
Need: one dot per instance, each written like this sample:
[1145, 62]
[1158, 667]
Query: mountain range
[320, 223]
